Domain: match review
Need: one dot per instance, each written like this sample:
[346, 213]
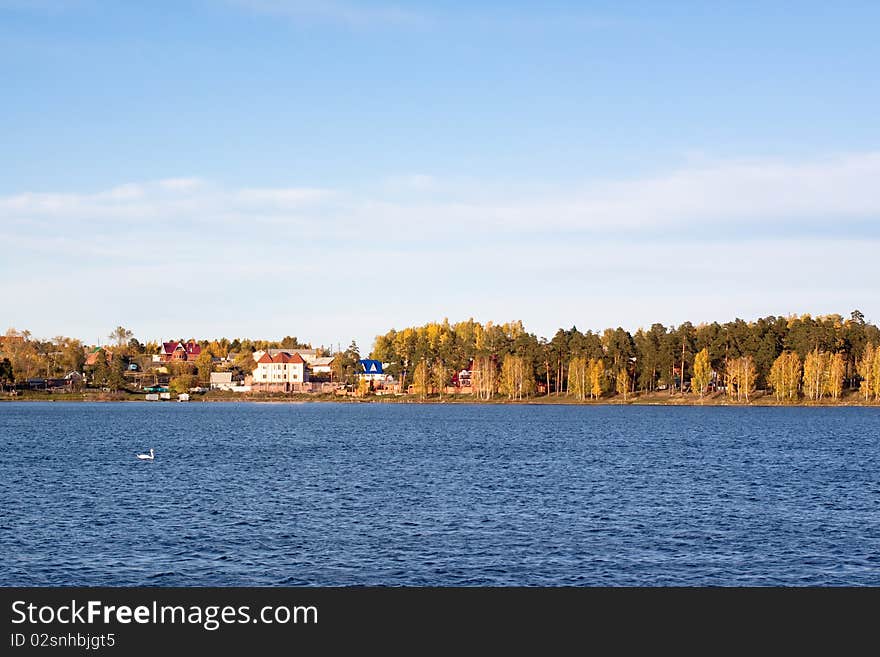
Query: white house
[282, 372]
[322, 365]
[221, 381]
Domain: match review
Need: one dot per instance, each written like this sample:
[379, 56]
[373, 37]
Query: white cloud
[610, 252]
[743, 193]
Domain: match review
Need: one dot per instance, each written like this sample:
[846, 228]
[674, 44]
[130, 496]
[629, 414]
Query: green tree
[73, 355]
[204, 366]
[100, 372]
[244, 363]
[116, 374]
[182, 383]
[7, 378]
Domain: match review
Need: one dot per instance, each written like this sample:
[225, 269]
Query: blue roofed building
[372, 370]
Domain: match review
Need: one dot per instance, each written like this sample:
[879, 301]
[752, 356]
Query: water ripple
[460, 495]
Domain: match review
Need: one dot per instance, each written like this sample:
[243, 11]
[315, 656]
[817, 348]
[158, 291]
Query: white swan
[147, 457]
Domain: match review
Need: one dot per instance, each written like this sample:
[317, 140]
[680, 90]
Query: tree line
[790, 356]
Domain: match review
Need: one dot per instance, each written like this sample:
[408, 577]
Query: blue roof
[372, 366]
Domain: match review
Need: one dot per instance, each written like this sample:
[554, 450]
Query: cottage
[179, 351]
[283, 372]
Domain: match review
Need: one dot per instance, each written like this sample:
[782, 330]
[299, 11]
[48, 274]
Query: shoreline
[653, 400]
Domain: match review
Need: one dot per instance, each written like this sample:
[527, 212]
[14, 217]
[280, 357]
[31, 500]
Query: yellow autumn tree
[702, 373]
[868, 369]
[422, 379]
[597, 377]
[785, 376]
[439, 376]
[483, 377]
[578, 378]
[816, 368]
[877, 373]
[517, 377]
[834, 378]
[741, 375]
[623, 383]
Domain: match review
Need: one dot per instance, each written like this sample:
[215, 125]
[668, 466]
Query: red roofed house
[283, 372]
[96, 353]
[176, 351]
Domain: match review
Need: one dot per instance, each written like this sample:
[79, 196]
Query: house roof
[281, 357]
[372, 366]
[191, 348]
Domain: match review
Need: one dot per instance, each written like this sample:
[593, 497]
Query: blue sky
[334, 169]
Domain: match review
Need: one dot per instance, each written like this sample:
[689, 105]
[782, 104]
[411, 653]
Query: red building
[177, 351]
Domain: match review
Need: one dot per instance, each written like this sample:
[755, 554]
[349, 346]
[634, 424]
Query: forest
[791, 357]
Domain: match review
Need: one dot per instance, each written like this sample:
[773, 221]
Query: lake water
[350, 494]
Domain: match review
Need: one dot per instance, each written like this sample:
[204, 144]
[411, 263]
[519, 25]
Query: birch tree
[422, 379]
[868, 369]
[597, 377]
[835, 375]
[578, 375]
[815, 372]
[439, 376]
[741, 375]
[623, 383]
[483, 377]
[702, 373]
[785, 376]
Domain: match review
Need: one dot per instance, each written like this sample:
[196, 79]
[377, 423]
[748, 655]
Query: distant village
[274, 370]
[179, 369]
